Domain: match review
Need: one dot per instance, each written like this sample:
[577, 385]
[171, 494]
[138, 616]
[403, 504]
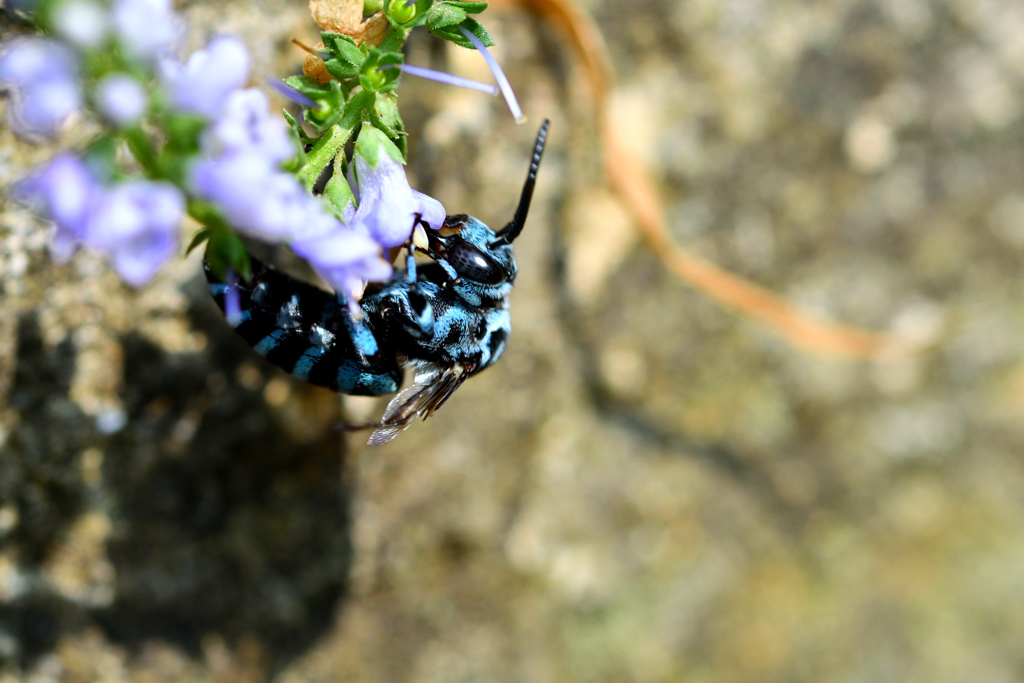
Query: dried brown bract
[346, 17]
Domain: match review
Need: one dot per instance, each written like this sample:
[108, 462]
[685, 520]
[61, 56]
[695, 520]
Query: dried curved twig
[631, 181]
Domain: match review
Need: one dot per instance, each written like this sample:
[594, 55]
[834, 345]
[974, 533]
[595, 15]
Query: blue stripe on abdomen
[308, 361]
[270, 342]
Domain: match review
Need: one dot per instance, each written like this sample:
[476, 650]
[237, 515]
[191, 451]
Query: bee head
[482, 259]
[481, 265]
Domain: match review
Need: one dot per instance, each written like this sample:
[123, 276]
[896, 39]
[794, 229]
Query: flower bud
[401, 11]
[82, 23]
[121, 99]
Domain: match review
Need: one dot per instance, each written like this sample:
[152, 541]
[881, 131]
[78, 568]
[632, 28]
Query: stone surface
[646, 488]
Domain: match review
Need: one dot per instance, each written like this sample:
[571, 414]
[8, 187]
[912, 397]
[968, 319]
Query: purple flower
[121, 99]
[346, 258]
[388, 207]
[245, 124]
[232, 300]
[203, 84]
[43, 82]
[147, 29]
[82, 23]
[257, 198]
[244, 147]
[264, 202]
[136, 225]
[64, 192]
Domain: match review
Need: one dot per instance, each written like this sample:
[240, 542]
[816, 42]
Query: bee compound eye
[473, 264]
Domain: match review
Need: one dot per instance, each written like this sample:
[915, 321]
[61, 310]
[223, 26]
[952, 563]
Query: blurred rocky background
[647, 487]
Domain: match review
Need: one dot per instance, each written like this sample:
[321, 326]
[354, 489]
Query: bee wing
[428, 393]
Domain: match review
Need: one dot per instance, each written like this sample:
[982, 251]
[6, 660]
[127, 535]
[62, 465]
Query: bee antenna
[512, 230]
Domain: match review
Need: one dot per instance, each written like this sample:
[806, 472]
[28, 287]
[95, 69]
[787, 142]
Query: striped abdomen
[309, 333]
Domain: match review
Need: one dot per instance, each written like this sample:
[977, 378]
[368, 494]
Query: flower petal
[430, 210]
[136, 225]
[82, 23]
[64, 192]
[147, 28]
[246, 125]
[388, 207]
[121, 98]
[44, 82]
[203, 84]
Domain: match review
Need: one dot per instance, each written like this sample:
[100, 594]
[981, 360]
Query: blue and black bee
[447, 319]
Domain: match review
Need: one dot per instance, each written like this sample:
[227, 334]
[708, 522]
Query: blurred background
[647, 487]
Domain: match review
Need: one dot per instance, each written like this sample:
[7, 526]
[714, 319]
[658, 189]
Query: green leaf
[341, 70]
[101, 155]
[386, 118]
[181, 144]
[141, 148]
[297, 130]
[308, 86]
[453, 34]
[377, 123]
[358, 109]
[323, 152]
[225, 250]
[204, 213]
[394, 39]
[369, 143]
[198, 239]
[347, 57]
[337, 191]
[387, 112]
[469, 7]
[402, 143]
[444, 14]
[343, 48]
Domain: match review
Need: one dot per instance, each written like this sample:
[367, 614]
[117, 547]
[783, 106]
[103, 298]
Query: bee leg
[418, 317]
[410, 309]
[422, 315]
[357, 427]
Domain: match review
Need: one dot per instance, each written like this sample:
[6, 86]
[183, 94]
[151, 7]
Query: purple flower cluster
[42, 76]
[238, 170]
[134, 224]
[349, 256]
[243, 148]
[241, 175]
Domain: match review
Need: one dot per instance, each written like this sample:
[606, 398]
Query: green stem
[143, 151]
[394, 39]
[323, 152]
